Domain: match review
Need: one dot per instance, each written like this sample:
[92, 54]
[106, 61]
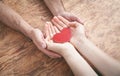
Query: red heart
[63, 36]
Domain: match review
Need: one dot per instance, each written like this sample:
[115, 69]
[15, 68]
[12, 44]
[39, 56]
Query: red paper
[63, 36]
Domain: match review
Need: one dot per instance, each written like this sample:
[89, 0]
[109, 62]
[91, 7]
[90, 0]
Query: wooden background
[20, 57]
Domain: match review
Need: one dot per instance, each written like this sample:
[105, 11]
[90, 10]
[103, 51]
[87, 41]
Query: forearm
[14, 20]
[55, 6]
[105, 64]
[78, 65]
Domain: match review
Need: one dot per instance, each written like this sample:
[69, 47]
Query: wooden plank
[20, 57]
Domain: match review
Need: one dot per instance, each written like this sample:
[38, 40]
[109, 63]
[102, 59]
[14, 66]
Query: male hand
[71, 17]
[38, 39]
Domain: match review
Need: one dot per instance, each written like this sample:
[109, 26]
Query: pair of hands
[40, 42]
[78, 32]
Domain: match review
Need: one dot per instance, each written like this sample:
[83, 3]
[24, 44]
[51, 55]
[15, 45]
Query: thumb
[49, 44]
[75, 18]
[80, 21]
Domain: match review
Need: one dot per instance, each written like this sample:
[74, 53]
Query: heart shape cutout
[63, 36]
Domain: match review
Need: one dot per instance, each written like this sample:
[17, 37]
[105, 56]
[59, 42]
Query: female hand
[59, 48]
[78, 30]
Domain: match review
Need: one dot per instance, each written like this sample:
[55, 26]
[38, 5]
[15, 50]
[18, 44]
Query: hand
[56, 47]
[78, 30]
[71, 17]
[38, 39]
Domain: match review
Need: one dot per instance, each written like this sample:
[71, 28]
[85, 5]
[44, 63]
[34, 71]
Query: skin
[57, 8]
[15, 21]
[12, 19]
[76, 62]
[103, 62]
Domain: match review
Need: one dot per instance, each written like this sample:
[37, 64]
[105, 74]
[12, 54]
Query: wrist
[55, 6]
[77, 41]
[68, 50]
[26, 29]
[59, 11]
[69, 53]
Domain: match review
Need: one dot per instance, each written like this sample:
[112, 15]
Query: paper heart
[63, 36]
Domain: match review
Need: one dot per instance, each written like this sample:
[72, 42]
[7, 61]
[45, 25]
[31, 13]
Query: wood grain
[20, 57]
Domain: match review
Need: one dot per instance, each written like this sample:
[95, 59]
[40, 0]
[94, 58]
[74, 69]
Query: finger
[49, 53]
[80, 21]
[49, 30]
[43, 44]
[65, 21]
[46, 30]
[54, 55]
[59, 22]
[38, 37]
[52, 28]
[57, 25]
[56, 29]
[74, 18]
